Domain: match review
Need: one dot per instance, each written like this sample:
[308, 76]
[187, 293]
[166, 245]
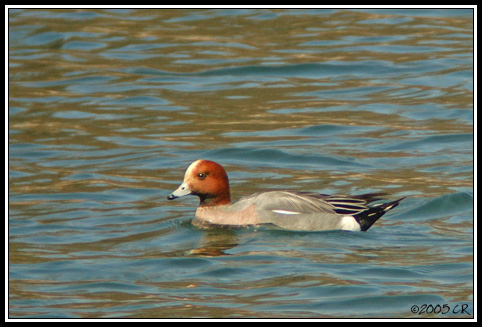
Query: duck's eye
[201, 176]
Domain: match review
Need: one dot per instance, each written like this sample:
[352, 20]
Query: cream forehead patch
[190, 169]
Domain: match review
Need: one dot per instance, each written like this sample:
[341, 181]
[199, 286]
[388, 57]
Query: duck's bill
[181, 191]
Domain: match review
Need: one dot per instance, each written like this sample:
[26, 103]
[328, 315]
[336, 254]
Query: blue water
[107, 108]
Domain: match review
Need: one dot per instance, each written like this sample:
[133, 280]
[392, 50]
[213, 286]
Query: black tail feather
[368, 217]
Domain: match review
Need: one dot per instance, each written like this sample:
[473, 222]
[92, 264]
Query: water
[107, 108]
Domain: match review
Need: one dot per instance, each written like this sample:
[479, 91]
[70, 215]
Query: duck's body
[300, 211]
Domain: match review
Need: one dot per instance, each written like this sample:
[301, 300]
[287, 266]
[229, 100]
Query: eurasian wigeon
[301, 211]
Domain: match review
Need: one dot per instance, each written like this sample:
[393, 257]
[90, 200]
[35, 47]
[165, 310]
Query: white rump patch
[285, 212]
[349, 223]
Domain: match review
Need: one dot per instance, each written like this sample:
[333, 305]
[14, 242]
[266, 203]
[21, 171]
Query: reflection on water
[108, 107]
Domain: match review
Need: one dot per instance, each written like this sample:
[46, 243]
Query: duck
[285, 209]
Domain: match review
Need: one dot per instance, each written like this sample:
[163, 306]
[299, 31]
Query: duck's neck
[212, 201]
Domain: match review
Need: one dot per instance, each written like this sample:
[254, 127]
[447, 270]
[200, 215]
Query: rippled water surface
[107, 108]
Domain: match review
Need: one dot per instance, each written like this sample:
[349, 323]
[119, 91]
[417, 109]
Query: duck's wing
[308, 202]
[296, 211]
[346, 205]
[313, 211]
[288, 202]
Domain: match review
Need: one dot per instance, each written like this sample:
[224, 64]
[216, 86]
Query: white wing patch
[286, 212]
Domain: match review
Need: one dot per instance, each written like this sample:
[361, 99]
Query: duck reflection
[215, 242]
